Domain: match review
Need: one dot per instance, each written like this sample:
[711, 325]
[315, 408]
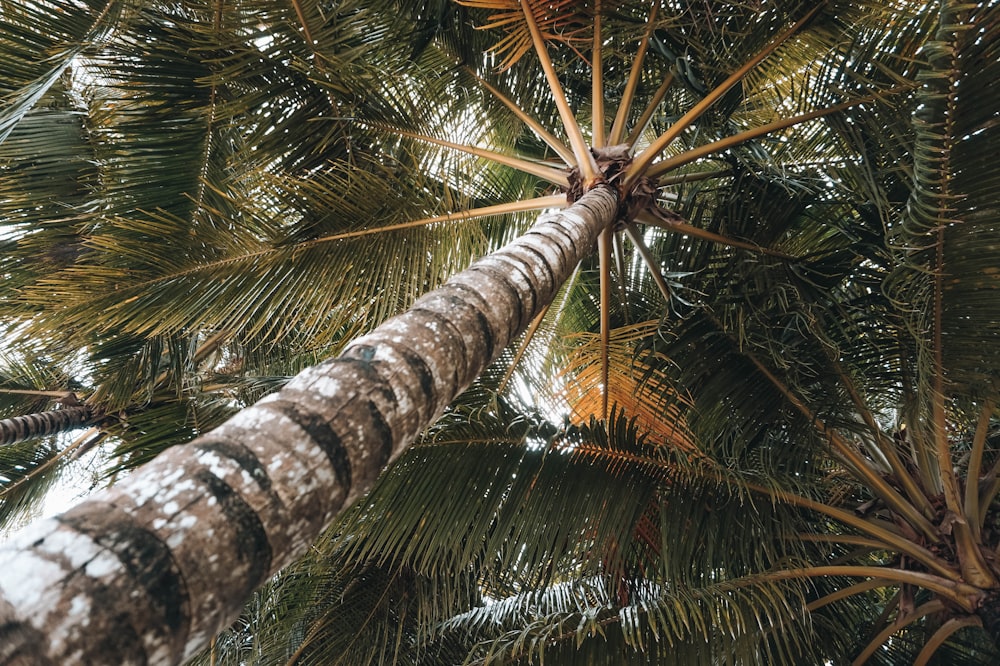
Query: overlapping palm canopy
[778, 371]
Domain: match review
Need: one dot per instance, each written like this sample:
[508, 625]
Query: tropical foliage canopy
[759, 425]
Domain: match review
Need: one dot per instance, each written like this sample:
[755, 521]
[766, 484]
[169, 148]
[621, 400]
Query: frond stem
[642, 161]
[923, 610]
[647, 113]
[690, 230]
[889, 539]
[77, 443]
[199, 198]
[550, 140]
[620, 270]
[943, 633]
[846, 539]
[632, 83]
[300, 14]
[988, 491]
[597, 82]
[975, 467]
[849, 591]
[885, 445]
[60, 395]
[650, 261]
[604, 255]
[693, 154]
[694, 176]
[554, 176]
[970, 558]
[537, 203]
[587, 164]
[963, 594]
[860, 466]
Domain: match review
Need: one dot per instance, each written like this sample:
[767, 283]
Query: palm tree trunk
[150, 570]
[39, 424]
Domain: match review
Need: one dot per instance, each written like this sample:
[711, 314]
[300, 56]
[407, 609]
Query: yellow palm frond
[641, 395]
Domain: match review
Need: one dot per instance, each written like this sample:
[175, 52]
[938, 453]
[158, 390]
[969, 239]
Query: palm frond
[28, 470]
[945, 245]
[60, 29]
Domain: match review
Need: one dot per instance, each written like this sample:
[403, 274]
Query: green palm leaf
[200, 199]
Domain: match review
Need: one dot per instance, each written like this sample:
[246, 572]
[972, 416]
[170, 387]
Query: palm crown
[788, 309]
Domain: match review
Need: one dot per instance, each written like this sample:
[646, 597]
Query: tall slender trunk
[39, 424]
[150, 570]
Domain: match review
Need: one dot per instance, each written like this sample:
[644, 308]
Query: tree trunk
[39, 424]
[151, 569]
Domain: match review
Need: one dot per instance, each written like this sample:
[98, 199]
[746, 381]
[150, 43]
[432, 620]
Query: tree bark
[39, 424]
[151, 569]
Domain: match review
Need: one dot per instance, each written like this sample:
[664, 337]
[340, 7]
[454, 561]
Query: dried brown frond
[565, 21]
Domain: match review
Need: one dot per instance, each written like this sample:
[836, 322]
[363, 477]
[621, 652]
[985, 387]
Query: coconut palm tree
[270, 145]
[828, 406]
[773, 361]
